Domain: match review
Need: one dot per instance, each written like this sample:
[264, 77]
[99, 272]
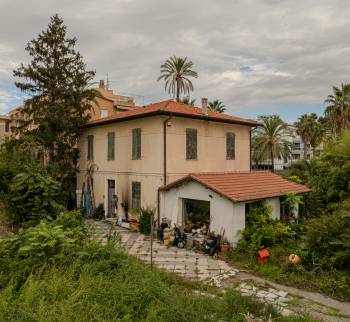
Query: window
[230, 146]
[136, 144]
[110, 145]
[136, 195]
[7, 126]
[90, 153]
[296, 145]
[191, 144]
[104, 113]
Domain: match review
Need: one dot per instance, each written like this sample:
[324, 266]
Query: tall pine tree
[58, 85]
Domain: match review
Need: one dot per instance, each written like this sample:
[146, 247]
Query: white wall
[275, 204]
[223, 213]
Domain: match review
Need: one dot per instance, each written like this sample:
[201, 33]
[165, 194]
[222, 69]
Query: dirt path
[197, 266]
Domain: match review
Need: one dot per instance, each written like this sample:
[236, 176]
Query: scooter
[179, 240]
[212, 246]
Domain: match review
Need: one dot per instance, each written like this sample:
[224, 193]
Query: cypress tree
[57, 84]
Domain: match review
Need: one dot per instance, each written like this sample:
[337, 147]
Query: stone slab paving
[187, 263]
[201, 267]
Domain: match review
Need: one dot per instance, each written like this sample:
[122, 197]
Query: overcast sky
[258, 57]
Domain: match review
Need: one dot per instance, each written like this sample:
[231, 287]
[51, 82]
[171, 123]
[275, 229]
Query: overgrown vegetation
[55, 271]
[320, 236]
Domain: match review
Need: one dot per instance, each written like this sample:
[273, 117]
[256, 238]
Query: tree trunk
[305, 150]
[272, 160]
[177, 91]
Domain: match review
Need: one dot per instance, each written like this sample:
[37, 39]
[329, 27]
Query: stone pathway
[187, 263]
[201, 267]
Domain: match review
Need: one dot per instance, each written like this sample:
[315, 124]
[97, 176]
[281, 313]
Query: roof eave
[161, 112]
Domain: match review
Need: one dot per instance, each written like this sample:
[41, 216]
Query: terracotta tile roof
[176, 109]
[243, 186]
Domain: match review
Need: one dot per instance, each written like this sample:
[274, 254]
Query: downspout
[250, 147]
[165, 124]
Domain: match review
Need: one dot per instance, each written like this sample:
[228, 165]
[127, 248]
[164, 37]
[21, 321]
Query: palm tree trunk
[177, 91]
[272, 160]
[305, 150]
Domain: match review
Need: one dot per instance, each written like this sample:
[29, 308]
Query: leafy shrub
[329, 238]
[33, 196]
[263, 231]
[145, 220]
[99, 212]
[46, 241]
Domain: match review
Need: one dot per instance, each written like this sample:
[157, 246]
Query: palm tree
[337, 111]
[317, 134]
[188, 101]
[217, 106]
[176, 72]
[304, 127]
[270, 139]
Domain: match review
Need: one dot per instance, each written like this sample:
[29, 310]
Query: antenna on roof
[107, 85]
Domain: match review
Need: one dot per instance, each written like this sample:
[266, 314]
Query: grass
[110, 286]
[335, 284]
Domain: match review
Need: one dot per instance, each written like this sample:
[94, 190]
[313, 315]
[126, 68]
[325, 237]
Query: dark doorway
[112, 198]
[196, 212]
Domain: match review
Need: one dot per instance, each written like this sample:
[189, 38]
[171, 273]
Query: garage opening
[196, 212]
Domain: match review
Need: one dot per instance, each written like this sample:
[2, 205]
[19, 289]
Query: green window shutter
[136, 144]
[90, 154]
[136, 195]
[111, 146]
[191, 144]
[230, 146]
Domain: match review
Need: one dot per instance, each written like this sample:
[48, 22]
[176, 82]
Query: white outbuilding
[222, 200]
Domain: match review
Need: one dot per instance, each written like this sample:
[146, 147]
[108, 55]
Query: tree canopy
[176, 72]
[58, 85]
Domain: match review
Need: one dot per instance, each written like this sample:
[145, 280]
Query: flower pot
[295, 259]
[225, 247]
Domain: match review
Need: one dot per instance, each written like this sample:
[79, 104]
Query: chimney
[102, 84]
[205, 106]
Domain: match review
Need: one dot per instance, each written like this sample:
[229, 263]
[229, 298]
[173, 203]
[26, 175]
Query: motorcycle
[179, 240]
[212, 246]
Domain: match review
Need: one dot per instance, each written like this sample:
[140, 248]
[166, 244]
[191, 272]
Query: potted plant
[225, 245]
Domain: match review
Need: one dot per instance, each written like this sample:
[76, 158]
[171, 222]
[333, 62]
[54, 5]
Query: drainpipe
[166, 123]
[250, 147]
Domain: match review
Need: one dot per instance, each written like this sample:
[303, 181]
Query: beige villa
[5, 130]
[144, 157]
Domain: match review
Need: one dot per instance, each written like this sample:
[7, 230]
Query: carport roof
[243, 186]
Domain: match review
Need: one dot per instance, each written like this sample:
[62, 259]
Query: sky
[258, 56]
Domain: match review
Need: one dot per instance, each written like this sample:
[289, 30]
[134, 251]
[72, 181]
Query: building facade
[128, 156]
[296, 150]
[5, 128]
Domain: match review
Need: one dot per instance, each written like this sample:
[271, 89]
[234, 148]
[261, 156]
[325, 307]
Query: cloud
[252, 54]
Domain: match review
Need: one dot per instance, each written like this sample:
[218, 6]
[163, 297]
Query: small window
[230, 146]
[191, 144]
[7, 126]
[110, 145]
[136, 195]
[90, 154]
[104, 113]
[136, 144]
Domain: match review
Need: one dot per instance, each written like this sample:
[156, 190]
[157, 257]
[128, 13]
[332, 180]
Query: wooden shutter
[90, 154]
[111, 146]
[191, 144]
[136, 144]
[136, 195]
[230, 146]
